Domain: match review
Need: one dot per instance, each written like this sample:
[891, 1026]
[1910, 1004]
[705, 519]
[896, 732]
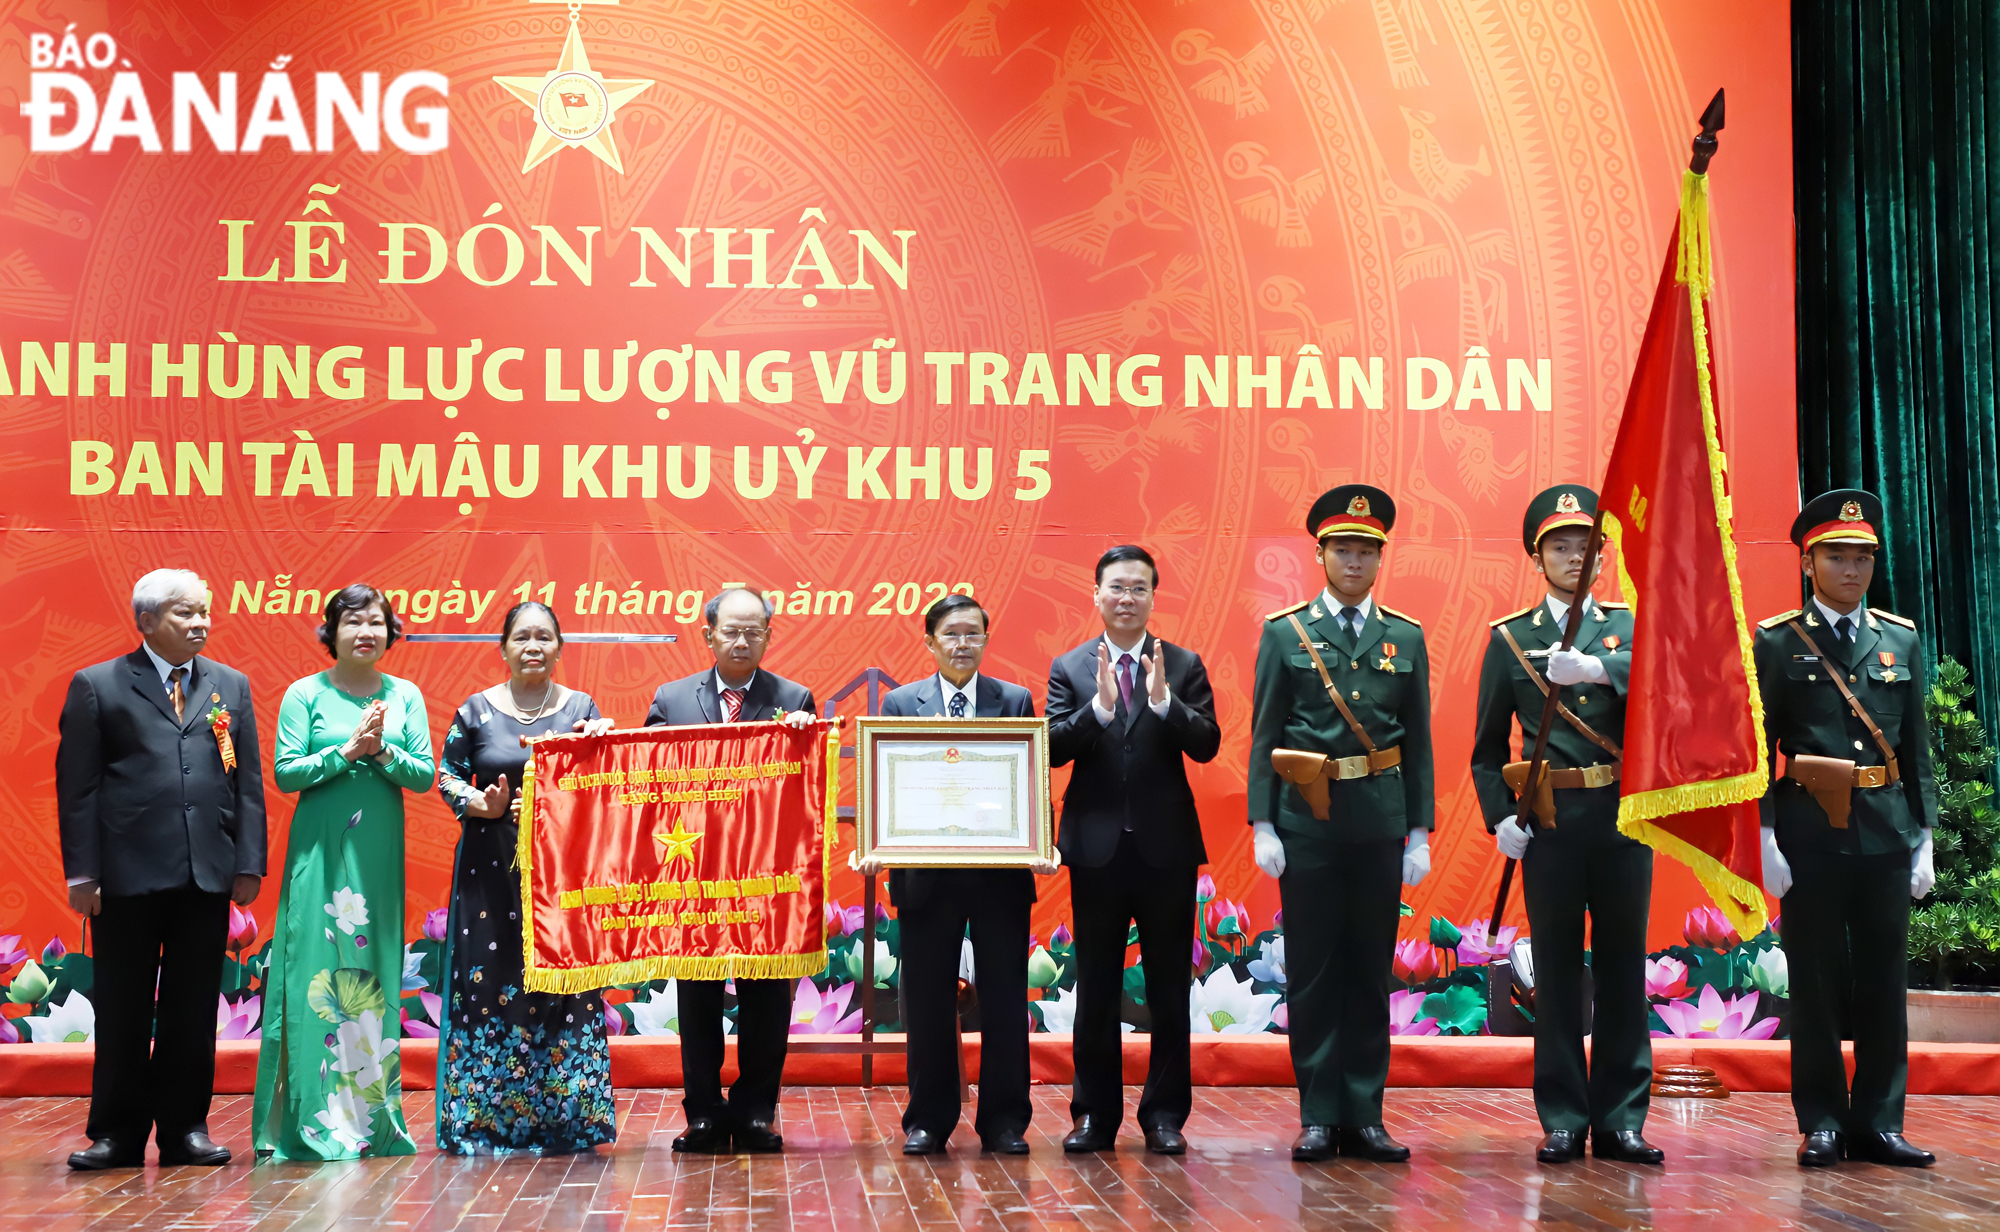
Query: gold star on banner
[573, 105]
[677, 842]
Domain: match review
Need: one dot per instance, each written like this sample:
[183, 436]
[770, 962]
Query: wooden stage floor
[1729, 1168]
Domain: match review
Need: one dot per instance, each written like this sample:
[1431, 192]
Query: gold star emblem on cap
[1567, 503]
[573, 104]
[1851, 511]
[677, 843]
[1358, 507]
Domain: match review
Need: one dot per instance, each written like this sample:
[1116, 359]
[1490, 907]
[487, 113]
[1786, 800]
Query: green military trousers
[1343, 902]
[1585, 867]
[1846, 929]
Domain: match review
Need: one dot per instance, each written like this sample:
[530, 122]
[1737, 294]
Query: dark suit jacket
[692, 699]
[143, 801]
[1131, 770]
[993, 699]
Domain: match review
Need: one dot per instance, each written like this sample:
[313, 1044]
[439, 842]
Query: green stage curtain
[1896, 121]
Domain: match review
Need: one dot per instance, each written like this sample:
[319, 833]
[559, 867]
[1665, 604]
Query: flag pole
[1705, 146]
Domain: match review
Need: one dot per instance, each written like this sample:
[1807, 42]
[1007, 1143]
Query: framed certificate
[953, 793]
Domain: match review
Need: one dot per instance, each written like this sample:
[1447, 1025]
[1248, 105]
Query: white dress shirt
[1113, 650]
[1834, 618]
[1335, 604]
[165, 668]
[721, 688]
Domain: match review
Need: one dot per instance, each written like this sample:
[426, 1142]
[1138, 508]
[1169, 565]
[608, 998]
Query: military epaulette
[1904, 621]
[1390, 611]
[1287, 611]
[1617, 607]
[1780, 618]
[1494, 624]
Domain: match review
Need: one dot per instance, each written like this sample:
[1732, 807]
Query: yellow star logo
[677, 843]
[573, 105]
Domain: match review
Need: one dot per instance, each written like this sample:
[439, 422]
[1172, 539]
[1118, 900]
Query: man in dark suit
[737, 630]
[935, 905]
[162, 821]
[1127, 709]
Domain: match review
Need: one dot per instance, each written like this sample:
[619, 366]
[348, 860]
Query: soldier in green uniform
[1847, 832]
[1341, 803]
[1573, 859]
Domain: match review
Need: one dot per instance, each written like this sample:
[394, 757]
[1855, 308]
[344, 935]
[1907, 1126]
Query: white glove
[1511, 837]
[1922, 875]
[1777, 873]
[1576, 667]
[1417, 858]
[1267, 849]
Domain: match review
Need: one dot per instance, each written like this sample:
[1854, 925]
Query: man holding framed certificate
[974, 814]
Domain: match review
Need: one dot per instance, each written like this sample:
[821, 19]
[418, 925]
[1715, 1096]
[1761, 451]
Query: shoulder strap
[1853, 702]
[1332, 690]
[1584, 729]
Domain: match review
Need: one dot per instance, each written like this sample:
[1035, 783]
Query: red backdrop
[1379, 181]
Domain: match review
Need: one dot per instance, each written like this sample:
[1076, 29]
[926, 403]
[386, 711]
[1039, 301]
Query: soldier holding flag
[1574, 860]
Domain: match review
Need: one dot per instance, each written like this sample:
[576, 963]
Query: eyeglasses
[961, 639]
[730, 637]
[1140, 593]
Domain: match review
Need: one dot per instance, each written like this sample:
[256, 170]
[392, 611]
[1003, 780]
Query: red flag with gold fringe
[1694, 727]
[676, 852]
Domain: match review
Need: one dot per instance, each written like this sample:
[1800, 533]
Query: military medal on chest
[1888, 658]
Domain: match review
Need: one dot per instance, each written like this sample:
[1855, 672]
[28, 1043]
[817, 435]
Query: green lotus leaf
[1459, 1009]
[345, 994]
[1444, 934]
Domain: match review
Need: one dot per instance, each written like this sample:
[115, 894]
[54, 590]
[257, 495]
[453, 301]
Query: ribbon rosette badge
[218, 722]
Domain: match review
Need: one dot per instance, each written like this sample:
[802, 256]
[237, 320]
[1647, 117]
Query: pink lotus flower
[1062, 936]
[1227, 919]
[1475, 951]
[841, 921]
[1416, 961]
[614, 1022]
[1708, 928]
[1403, 1010]
[242, 929]
[54, 952]
[1281, 1017]
[1204, 888]
[414, 1028]
[239, 1021]
[1711, 1017]
[9, 1033]
[436, 923]
[817, 1013]
[1666, 979]
[11, 951]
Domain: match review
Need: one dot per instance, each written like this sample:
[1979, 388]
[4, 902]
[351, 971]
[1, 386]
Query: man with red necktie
[736, 627]
[1130, 710]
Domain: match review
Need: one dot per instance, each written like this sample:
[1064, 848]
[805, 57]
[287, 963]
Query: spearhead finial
[1705, 143]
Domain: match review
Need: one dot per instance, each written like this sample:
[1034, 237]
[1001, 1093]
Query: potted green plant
[1955, 933]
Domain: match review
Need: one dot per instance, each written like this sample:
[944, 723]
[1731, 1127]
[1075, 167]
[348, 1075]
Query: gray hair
[161, 587]
[710, 609]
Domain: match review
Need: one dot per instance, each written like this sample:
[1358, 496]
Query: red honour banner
[677, 852]
[1666, 503]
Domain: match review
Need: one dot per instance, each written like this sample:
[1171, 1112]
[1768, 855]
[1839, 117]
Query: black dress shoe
[1627, 1146]
[1820, 1150]
[1090, 1134]
[1165, 1140]
[1561, 1146]
[1006, 1142]
[758, 1138]
[193, 1149]
[106, 1153]
[1890, 1149]
[703, 1137]
[1314, 1143]
[923, 1142]
[1372, 1142]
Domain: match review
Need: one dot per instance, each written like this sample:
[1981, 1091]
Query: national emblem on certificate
[957, 794]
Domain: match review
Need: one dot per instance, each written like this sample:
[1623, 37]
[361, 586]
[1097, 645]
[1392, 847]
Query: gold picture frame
[991, 776]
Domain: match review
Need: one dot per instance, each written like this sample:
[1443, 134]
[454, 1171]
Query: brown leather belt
[1309, 772]
[1831, 781]
[1567, 778]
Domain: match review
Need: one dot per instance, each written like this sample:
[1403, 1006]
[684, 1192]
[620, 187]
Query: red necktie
[1128, 679]
[732, 704]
